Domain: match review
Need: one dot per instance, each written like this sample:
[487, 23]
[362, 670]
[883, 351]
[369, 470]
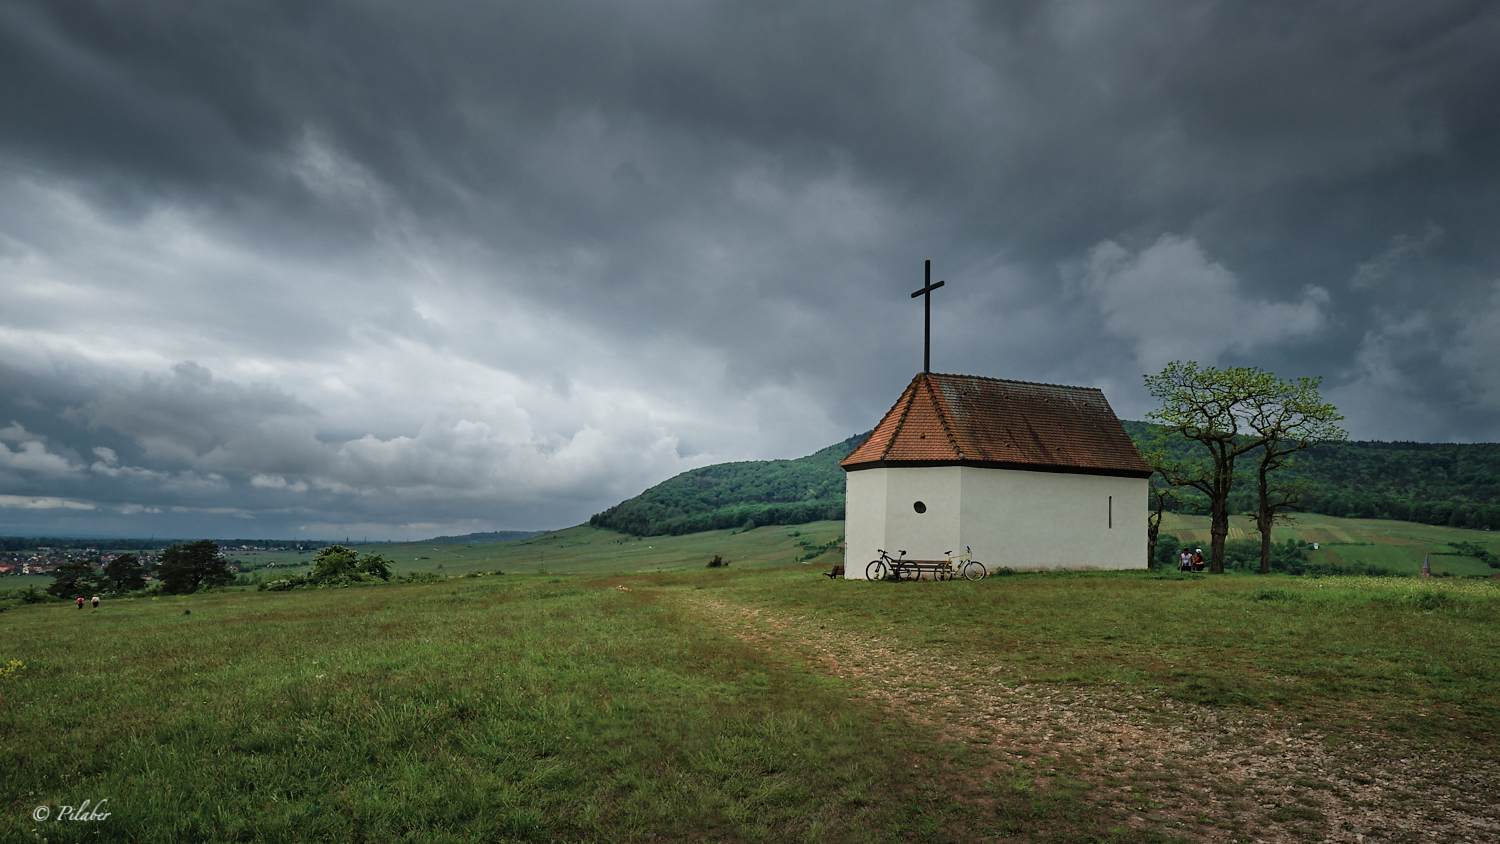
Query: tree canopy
[193, 566]
[125, 574]
[1209, 406]
[75, 579]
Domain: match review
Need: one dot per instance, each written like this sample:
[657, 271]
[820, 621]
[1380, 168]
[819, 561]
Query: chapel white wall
[1023, 520]
[1032, 521]
[864, 520]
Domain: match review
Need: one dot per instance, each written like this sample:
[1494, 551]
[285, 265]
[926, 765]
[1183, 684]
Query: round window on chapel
[919, 507]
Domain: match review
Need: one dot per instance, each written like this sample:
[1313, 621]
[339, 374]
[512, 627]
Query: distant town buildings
[44, 559]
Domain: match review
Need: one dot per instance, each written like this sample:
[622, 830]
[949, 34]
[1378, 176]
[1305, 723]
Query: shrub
[29, 595]
[718, 562]
[335, 565]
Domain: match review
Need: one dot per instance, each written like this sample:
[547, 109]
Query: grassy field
[628, 693]
[1397, 546]
[522, 708]
[577, 550]
[587, 550]
[607, 688]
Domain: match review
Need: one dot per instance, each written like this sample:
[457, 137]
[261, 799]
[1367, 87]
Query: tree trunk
[1263, 521]
[1265, 516]
[1153, 529]
[1218, 530]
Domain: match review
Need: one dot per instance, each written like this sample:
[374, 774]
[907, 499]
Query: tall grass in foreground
[478, 711]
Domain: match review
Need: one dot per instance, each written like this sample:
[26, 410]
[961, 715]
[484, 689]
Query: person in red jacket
[80, 602]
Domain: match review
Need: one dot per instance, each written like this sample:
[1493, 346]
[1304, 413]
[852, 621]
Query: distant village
[45, 559]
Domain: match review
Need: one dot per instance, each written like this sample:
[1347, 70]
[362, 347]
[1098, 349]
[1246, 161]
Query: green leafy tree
[188, 568]
[1418, 482]
[1209, 406]
[334, 564]
[1289, 419]
[74, 579]
[125, 573]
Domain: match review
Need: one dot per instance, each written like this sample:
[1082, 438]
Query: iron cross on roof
[926, 292]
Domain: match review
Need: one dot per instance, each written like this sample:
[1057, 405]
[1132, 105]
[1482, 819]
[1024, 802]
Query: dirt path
[1188, 771]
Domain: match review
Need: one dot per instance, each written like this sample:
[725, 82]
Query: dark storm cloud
[399, 267]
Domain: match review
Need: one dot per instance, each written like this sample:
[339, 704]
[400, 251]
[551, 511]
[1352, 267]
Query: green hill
[1448, 484]
[732, 495]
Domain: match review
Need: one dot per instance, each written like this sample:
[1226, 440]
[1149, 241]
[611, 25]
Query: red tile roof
[965, 420]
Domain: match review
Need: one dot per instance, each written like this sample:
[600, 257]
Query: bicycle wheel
[907, 571]
[876, 570]
[974, 570]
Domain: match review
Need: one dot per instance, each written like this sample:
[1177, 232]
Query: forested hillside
[731, 495]
[1432, 483]
[1453, 484]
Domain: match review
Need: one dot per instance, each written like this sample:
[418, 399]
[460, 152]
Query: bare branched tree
[1286, 422]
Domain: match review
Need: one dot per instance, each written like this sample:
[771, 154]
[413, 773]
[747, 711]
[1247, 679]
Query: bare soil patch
[1189, 772]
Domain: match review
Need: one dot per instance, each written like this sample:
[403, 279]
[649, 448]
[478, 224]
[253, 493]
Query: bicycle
[964, 565]
[885, 566]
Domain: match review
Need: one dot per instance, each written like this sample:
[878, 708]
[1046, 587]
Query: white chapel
[1030, 476]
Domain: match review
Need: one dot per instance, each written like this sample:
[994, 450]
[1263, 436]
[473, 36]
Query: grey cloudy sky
[397, 269]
